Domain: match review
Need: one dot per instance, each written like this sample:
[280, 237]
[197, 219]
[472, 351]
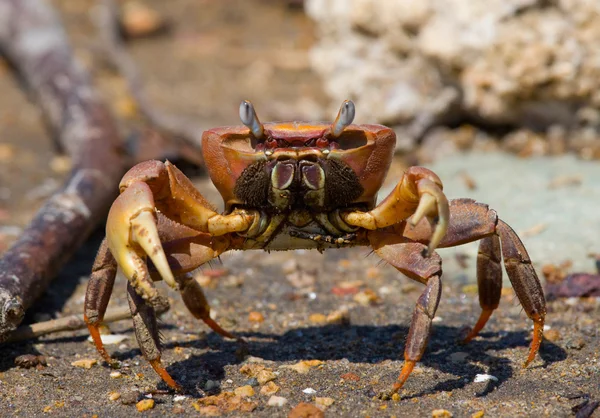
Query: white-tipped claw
[145, 234]
[249, 118]
[344, 118]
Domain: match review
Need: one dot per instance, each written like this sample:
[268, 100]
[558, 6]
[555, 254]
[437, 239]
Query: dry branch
[75, 322]
[33, 40]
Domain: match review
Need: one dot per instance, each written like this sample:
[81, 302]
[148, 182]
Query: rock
[144, 405]
[138, 20]
[113, 396]
[350, 376]
[84, 363]
[276, 401]
[256, 317]
[317, 318]
[519, 62]
[306, 410]
[304, 366]
[441, 413]
[324, 403]
[244, 391]
[26, 361]
[269, 389]
[129, 397]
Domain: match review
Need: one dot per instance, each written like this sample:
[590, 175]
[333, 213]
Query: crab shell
[366, 149]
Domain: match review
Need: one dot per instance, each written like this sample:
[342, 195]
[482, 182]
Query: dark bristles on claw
[344, 118]
[249, 118]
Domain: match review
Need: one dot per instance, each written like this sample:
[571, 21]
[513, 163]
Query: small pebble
[27, 361]
[179, 398]
[269, 389]
[478, 414]
[350, 376]
[244, 391]
[324, 402]
[441, 413]
[145, 405]
[306, 410]
[484, 378]
[309, 391]
[116, 375]
[304, 366]
[366, 298]
[129, 398]
[84, 363]
[256, 317]
[139, 20]
[113, 396]
[552, 335]
[211, 385]
[251, 382]
[265, 376]
[317, 318]
[276, 401]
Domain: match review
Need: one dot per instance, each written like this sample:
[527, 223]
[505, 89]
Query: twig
[32, 38]
[75, 322]
[112, 42]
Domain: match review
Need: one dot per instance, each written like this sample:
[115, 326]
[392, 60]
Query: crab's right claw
[132, 235]
[433, 205]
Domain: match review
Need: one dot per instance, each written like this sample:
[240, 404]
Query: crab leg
[418, 194]
[489, 281]
[407, 257]
[147, 335]
[194, 299]
[98, 294]
[472, 221]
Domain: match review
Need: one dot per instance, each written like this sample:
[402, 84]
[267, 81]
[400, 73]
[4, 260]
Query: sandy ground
[343, 309]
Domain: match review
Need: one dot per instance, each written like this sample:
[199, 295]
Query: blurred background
[501, 98]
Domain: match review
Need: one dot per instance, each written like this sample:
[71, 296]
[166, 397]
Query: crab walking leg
[525, 284]
[420, 328]
[98, 294]
[194, 299]
[147, 335]
[472, 221]
[408, 258]
[489, 281]
[418, 194]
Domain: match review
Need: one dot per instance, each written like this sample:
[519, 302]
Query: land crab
[298, 185]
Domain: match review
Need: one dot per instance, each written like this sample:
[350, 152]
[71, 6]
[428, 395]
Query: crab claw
[132, 235]
[433, 205]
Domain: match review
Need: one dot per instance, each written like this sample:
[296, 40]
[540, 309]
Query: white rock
[485, 378]
[276, 401]
[111, 339]
[309, 391]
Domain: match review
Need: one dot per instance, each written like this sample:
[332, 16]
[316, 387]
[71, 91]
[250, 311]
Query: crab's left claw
[433, 205]
[418, 195]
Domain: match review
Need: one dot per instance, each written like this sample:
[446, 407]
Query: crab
[296, 185]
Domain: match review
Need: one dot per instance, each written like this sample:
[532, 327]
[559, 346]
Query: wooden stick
[33, 40]
[75, 322]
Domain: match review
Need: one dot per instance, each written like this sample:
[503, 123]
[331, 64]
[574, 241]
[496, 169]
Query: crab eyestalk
[249, 118]
[343, 119]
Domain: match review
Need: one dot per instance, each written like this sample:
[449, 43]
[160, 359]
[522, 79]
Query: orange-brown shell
[228, 151]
